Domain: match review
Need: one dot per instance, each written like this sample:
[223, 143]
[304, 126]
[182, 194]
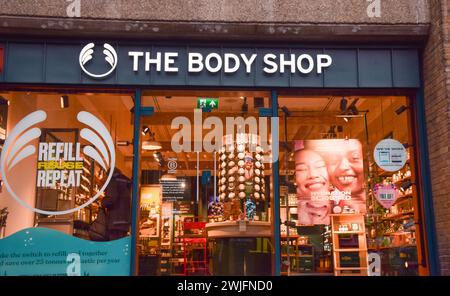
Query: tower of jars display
[241, 183]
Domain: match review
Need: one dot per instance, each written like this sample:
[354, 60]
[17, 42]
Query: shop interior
[191, 202]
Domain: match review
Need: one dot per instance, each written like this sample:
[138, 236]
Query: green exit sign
[210, 103]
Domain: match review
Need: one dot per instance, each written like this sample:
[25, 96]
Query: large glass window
[206, 184]
[347, 180]
[65, 182]
[348, 186]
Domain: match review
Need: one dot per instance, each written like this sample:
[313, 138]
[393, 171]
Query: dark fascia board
[211, 31]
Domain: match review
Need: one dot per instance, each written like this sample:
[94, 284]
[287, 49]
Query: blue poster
[47, 252]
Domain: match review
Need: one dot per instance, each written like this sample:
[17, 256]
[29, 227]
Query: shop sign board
[243, 65]
[212, 62]
[390, 155]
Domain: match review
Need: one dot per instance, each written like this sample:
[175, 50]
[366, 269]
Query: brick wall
[437, 108]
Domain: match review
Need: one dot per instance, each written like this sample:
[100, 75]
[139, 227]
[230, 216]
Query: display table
[238, 229]
[240, 248]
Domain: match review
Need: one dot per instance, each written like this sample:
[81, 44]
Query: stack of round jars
[241, 170]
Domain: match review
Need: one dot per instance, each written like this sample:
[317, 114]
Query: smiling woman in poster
[311, 176]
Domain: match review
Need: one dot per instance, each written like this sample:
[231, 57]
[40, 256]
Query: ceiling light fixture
[286, 111]
[407, 145]
[145, 130]
[343, 104]
[150, 144]
[352, 110]
[401, 109]
[159, 158]
[123, 143]
[404, 186]
[347, 112]
[244, 106]
[64, 102]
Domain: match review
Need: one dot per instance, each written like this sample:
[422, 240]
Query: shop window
[66, 182]
[201, 171]
[335, 166]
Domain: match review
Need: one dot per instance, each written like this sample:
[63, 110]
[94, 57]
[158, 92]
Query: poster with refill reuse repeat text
[329, 177]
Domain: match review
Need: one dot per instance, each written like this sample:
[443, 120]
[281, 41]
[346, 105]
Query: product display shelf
[349, 232]
[390, 225]
[349, 245]
[402, 180]
[164, 260]
[403, 198]
[195, 248]
[90, 183]
[301, 255]
[399, 216]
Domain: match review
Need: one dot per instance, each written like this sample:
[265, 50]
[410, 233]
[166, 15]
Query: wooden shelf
[350, 250]
[398, 182]
[290, 236]
[393, 247]
[298, 253]
[350, 232]
[398, 216]
[397, 233]
[403, 198]
[351, 268]
[386, 174]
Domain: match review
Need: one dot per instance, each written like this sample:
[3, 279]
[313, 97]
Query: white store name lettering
[230, 62]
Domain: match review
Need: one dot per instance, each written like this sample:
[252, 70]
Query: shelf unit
[301, 255]
[291, 207]
[349, 245]
[395, 227]
[89, 185]
[195, 248]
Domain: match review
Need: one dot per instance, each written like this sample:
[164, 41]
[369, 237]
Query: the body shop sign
[192, 61]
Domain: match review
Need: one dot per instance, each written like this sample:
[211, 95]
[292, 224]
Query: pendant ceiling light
[151, 144]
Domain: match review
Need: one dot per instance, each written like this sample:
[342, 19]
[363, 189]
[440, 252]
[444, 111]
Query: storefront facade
[138, 75]
[334, 85]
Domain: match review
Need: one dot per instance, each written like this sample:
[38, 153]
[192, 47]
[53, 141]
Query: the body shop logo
[86, 55]
[60, 164]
